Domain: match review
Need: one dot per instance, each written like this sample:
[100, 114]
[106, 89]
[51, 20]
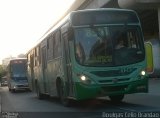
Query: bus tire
[13, 90]
[63, 97]
[116, 98]
[9, 89]
[39, 94]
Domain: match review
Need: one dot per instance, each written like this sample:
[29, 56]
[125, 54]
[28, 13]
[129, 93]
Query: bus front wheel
[63, 97]
[39, 94]
[9, 89]
[116, 98]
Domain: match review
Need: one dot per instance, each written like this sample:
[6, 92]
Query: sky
[23, 22]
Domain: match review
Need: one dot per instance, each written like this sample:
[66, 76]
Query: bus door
[67, 62]
[44, 69]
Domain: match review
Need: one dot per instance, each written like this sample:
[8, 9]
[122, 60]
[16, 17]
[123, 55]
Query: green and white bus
[78, 59]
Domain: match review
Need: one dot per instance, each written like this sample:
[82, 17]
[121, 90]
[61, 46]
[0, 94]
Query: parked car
[4, 83]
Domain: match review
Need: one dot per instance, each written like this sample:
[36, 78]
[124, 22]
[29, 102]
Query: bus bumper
[93, 91]
[21, 87]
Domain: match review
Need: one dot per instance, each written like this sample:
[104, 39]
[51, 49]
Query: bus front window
[96, 46]
[19, 70]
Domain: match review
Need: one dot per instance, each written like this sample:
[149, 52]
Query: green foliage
[3, 72]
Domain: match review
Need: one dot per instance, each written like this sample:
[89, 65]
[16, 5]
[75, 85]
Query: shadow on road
[104, 104]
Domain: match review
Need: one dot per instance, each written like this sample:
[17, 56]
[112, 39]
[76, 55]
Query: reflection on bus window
[80, 53]
[99, 45]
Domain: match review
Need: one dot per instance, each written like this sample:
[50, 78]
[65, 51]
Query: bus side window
[57, 46]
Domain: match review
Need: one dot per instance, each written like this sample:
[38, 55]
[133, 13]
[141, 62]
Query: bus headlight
[15, 87]
[84, 79]
[143, 73]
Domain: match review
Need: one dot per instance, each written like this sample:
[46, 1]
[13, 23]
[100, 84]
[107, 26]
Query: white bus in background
[17, 74]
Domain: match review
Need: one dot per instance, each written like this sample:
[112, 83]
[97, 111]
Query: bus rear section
[17, 70]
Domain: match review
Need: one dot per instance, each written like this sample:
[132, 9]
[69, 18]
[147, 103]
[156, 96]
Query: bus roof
[64, 19]
[18, 59]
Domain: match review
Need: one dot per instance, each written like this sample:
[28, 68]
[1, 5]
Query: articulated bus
[78, 59]
[17, 74]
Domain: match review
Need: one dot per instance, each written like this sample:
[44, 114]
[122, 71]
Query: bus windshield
[18, 70]
[111, 45]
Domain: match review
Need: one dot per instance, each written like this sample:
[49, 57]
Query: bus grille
[117, 80]
[22, 85]
[109, 89]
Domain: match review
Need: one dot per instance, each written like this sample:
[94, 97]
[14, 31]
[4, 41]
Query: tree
[3, 71]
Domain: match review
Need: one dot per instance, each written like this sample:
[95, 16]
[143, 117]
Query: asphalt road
[26, 105]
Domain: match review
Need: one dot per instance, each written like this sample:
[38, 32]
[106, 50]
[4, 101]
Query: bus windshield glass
[108, 45]
[18, 70]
